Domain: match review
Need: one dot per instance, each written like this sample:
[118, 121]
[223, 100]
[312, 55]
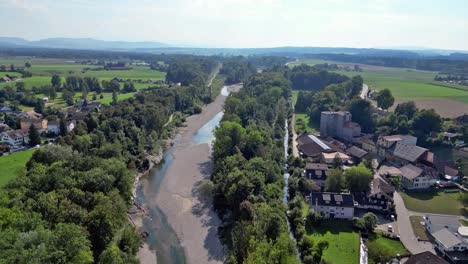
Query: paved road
[405, 229]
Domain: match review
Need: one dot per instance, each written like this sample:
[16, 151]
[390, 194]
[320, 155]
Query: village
[404, 175]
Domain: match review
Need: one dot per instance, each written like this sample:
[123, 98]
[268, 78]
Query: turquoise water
[206, 133]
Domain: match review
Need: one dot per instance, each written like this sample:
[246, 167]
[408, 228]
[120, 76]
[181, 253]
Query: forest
[247, 176]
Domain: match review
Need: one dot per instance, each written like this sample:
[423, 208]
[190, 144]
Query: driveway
[405, 229]
[364, 91]
[295, 151]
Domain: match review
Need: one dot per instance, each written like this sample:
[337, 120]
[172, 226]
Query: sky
[245, 23]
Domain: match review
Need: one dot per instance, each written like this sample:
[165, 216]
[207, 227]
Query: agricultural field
[13, 164]
[434, 202]
[448, 100]
[43, 69]
[343, 241]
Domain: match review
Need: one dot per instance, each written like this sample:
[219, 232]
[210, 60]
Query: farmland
[43, 69]
[407, 84]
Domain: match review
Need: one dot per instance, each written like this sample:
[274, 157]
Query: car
[392, 217]
[390, 228]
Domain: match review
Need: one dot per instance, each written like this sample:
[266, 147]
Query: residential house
[425, 257]
[358, 154]
[70, 125]
[15, 138]
[451, 174]
[5, 108]
[339, 125]
[384, 143]
[333, 205]
[311, 146]
[91, 107]
[4, 79]
[413, 177]
[453, 246]
[369, 145]
[39, 124]
[317, 172]
[4, 128]
[389, 172]
[53, 127]
[380, 196]
[329, 157]
[434, 223]
[406, 154]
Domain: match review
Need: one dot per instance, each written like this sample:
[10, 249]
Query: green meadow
[405, 84]
[13, 164]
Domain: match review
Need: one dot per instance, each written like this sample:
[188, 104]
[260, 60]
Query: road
[364, 91]
[405, 229]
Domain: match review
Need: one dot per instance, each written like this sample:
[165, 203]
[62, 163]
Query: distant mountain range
[79, 43]
[158, 47]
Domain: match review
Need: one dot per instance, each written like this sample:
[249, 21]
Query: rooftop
[447, 238]
[425, 258]
[408, 152]
[439, 222]
[331, 199]
[316, 166]
[410, 171]
[332, 155]
[356, 152]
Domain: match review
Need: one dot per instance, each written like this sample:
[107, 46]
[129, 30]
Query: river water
[162, 237]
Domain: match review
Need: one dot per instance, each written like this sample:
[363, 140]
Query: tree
[129, 87]
[385, 99]
[362, 114]
[27, 64]
[407, 109]
[334, 181]
[358, 178]
[337, 162]
[115, 98]
[20, 87]
[425, 122]
[56, 80]
[34, 137]
[63, 127]
[313, 218]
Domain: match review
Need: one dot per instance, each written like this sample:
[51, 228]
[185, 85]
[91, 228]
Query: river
[162, 237]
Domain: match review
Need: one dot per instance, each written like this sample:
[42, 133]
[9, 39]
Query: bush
[197, 109]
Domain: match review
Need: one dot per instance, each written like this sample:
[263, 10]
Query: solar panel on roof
[338, 198]
[319, 142]
[326, 197]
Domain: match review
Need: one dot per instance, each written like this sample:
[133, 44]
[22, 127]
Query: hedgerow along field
[449, 100]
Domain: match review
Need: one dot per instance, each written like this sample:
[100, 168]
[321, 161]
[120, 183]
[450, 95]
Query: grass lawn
[343, 241]
[418, 229]
[13, 164]
[434, 202]
[120, 97]
[391, 247]
[302, 124]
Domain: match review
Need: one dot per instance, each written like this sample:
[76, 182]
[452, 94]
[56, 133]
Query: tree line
[247, 175]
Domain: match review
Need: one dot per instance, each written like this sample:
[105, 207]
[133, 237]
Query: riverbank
[193, 221]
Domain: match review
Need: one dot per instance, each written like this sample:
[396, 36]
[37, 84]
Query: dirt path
[295, 151]
[193, 220]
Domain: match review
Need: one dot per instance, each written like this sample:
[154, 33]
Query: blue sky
[245, 23]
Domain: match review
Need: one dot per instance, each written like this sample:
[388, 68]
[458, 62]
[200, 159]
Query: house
[311, 146]
[406, 154]
[425, 257]
[369, 145]
[39, 124]
[317, 172]
[15, 138]
[5, 79]
[357, 153]
[434, 223]
[70, 125]
[329, 157]
[389, 171]
[4, 128]
[5, 109]
[453, 246]
[53, 127]
[451, 174]
[388, 141]
[91, 106]
[413, 177]
[333, 205]
[380, 196]
[339, 125]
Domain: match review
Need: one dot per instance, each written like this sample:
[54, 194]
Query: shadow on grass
[332, 226]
